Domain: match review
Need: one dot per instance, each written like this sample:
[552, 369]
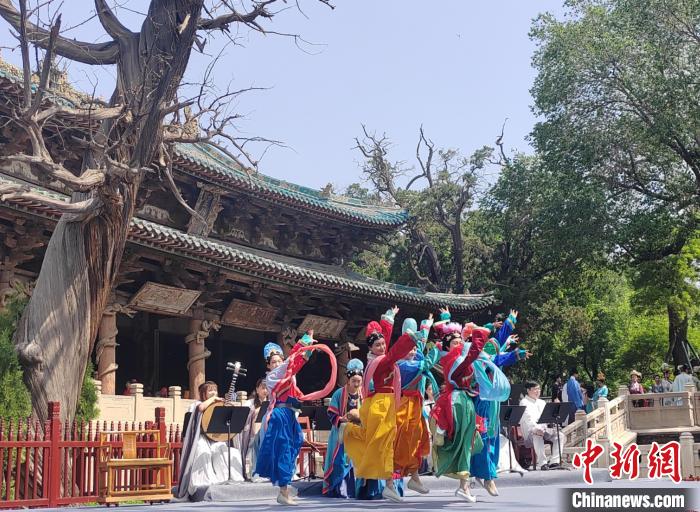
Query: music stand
[321, 419]
[516, 391]
[557, 413]
[228, 419]
[263, 410]
[185, 424]
[318, 416]
[510, 417]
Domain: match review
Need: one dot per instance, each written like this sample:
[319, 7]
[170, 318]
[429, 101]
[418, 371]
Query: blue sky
[457, 67]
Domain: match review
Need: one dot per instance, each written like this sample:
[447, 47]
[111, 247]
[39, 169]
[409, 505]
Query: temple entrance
[236, 344]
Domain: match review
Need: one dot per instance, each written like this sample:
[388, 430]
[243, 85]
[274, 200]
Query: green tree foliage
[15, 401]
[438, 193]
[538, 223]
[617, 85]
[617, 88]
[87, 403]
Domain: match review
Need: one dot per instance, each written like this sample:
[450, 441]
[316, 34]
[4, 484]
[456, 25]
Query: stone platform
[254, 491]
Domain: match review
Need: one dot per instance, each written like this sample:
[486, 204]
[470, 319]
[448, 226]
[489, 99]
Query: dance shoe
[390, 494]
[417, 486]
[466, 496]
[490, 487]
[286, 500]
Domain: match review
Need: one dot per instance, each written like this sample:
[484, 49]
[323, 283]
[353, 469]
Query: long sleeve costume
[601, 392]
[283, 436]
[204, 462]
[485, 463]
[453, 415]
[412, 438]
[338, 474]
[573, 392]
[370, 445]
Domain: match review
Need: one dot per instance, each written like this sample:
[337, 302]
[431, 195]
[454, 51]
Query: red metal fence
[56, 464]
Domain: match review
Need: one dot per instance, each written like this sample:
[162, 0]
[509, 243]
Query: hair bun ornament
[450, 331]
[468, 329]
[373, 332]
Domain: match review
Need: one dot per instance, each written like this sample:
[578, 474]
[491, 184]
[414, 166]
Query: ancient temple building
[269, 262]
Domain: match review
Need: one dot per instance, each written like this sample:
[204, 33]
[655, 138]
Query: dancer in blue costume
[338, 474]
[484, 465]
[283, 437]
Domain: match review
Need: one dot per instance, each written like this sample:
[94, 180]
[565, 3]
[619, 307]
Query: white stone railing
[604, 425]
[138, 408]
[655, 411]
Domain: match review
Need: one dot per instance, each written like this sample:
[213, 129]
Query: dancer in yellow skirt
[370, 445]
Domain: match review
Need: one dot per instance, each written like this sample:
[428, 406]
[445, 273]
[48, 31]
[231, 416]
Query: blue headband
[409, 324]
[271, 348]
[354, 367]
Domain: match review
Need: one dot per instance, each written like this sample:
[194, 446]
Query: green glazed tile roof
[274, 267]
[218, 166]
[206, 162]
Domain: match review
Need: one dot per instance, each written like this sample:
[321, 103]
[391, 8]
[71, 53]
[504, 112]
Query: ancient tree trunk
[433, 281]
[458, 257]
[678, 334]
[55, 334]
[57, 330]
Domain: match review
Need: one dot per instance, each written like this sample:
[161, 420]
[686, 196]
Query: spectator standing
[573, 390]
[556, 389]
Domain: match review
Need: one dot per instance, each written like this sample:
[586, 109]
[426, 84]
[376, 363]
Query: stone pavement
[535, 491]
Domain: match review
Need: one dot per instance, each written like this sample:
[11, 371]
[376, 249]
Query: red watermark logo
[662, 461]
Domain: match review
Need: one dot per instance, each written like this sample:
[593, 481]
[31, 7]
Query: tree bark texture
[458, 257]
[678, 335]
[56, 333]
[106, 352]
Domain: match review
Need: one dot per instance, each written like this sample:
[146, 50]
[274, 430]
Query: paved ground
[534, 491]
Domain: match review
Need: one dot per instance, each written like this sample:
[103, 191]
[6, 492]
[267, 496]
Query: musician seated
[535, 434]
[204, 461]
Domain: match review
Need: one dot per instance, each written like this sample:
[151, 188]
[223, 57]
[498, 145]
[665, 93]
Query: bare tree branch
[13, 193]
[87, 53]
[110, 22]
[88, 180]
[499, 143]
[424, 280]
[248, 18]
[92, 114]
[168, 172]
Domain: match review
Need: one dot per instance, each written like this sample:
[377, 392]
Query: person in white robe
[204, 462]
[683, 378]
[504, 451]
[535, 434]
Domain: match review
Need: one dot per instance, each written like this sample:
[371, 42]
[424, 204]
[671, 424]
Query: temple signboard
[160, 298]
[323, 326]
[249, 315]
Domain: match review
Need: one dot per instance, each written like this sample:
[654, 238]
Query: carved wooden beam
[208, 207]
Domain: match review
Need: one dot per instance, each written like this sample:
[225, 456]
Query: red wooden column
[54, 454]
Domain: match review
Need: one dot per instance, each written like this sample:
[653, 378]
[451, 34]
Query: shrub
[15, 400]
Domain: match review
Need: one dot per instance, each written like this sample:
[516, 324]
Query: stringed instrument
[237, 371]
